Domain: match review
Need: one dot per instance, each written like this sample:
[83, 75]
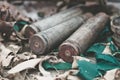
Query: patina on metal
[52, 21]
[115, 27]
[47, 40]
[80, 40]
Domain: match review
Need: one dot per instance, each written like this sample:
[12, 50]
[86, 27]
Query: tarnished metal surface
[52, 21]
[83, 37]
[47, 40]
[116, 39]
[115, 27]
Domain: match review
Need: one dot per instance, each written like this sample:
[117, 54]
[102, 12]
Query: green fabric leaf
[87, 70]
[96, 48]
[19, 25]
[107, 62]
[104, 62]
[58, 66]
[107, 58]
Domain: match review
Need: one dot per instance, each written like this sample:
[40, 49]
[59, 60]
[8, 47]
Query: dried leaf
[110, 75]
[14, 48]
[20, 76]
[26, 56]
[56, 60]
[1, 78]
[43, 71]
[70, 77]
[37, 77]
[66, 74]
[117, 74]
[24, 65]
[4, 52]
[107, 49]
[6, 62]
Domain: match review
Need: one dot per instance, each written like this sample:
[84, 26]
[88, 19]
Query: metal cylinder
[52, 21]
[81, 39]
[116, 39]
[115, 27]
[45, 41]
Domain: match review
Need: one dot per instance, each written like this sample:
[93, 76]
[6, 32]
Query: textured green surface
[58, 66]
[19, 25]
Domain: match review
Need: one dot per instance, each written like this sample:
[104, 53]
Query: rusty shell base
[37, 44]
[67, 50]
[83, 37]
